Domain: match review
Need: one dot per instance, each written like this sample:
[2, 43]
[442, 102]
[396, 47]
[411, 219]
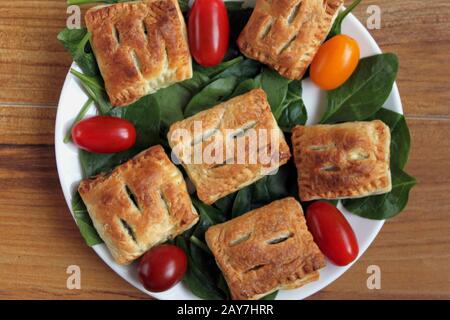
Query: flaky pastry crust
[266, 249]
[349, 160]
[240, 114]
[141, 203]
[140, 47]
[286, 34]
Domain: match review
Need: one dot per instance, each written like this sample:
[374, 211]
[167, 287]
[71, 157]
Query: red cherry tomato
[162, 267]
[332, 233]
[335, 62]
[209, 31]
[104, 134]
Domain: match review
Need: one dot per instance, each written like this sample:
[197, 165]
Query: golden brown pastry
[266, 249]
[286, 34]
[348, 160]
[235, 123]
[141, 203]
[140, 47]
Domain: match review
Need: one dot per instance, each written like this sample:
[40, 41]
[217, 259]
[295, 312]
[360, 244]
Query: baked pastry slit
[240, 132]
[281, 238]
[140, 47]
[288, 44]
[129, 230]
[266, 249]
[141, 203]
[347, 160]
[240, 139]
[132, 197]
[288, 33]
[294, 12]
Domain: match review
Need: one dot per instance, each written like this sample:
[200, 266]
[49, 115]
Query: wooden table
[38, 238]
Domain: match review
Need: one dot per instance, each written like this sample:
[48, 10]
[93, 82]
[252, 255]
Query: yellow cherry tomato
[335, 62]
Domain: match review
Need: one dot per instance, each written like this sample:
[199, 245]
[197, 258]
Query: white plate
[69, 170]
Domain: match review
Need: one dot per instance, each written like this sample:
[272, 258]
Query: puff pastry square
[141, 203]
[266, 249]
[235, 122]
[348, 160]
[140, 47]
[286, 34]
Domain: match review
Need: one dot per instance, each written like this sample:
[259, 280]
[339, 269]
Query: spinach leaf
[293, 110]
[209, 216]
[145, 115]
[244, 69]
[203, 277]
[242, 202]
[365, 92]
[184, 5]
[84, 221]
[225, 204]
[197, 277]
[276, 88]
[386, 205]
[80, 115]
[212, 72]
[244, 87]
[77, 42]
[270, 296]
[234, 5]
[337, 25]
[400, 137]
[95, 90]
[172, 100]
[215, 92]
[197, 82]
[275, 186]
[272, 187]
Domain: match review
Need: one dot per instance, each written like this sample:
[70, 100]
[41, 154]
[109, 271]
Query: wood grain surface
[39, 240]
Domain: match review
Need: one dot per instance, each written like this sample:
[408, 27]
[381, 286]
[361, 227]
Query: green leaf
[84, 221]
[197, 82]
[234, 5]
[212, 94]
[145, 115]
[80, 115]
[173, 100]
[244, 87]
[77, 42]
[242, 202]
[95, 89]
[386, 205]
[225, 204]
[276, 88]
[337, 25]
[275, 186]
[184, 5]
[212, 72]
[293, 110]
[209, 216]
[203, 276]
[270, 296]
[242, 70]
[365, 92]
[198, 277]
[400, 137]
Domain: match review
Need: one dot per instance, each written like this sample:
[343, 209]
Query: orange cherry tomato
[335, 62]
